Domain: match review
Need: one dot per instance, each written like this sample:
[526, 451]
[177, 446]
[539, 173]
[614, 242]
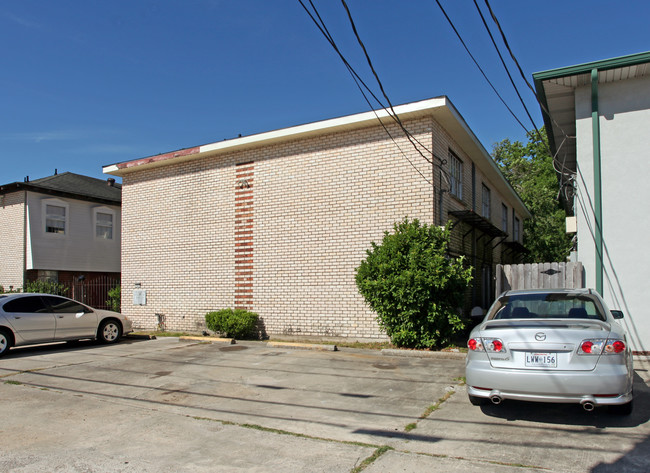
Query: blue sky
[86, 83]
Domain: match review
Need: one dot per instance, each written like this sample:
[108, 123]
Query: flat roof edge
[293, 132]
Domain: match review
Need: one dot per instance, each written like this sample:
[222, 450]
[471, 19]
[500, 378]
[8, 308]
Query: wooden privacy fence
[539, 276]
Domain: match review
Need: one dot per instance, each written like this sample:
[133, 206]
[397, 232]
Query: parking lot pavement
[170, 405]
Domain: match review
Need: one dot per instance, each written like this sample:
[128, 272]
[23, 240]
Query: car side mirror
[618, 314]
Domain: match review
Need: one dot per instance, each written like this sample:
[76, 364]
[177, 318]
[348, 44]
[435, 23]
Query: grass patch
[15, 383]
[284, 432]
[429, 410]
[371, 459]
[461, 380]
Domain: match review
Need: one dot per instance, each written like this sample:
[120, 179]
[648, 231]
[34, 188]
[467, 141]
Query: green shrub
[238, 323]
[414, 286]
[46, 287]
[114, 301]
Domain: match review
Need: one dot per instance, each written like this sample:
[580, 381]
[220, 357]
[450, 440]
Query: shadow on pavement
[54, 347]
[573, 414]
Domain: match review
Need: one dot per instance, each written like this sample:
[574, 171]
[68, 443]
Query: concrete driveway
[172, 405]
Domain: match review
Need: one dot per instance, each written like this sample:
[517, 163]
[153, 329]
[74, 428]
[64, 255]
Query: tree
[529, 169]
[413, 285]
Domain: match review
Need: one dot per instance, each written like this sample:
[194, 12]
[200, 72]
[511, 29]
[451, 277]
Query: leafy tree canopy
[529, 169]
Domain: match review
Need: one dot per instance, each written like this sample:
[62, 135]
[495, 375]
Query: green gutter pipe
[598, 201]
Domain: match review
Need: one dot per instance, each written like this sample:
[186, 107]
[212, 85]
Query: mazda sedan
[29, 319]
[562, 346]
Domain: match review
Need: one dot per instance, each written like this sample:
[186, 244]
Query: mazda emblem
[540, 336]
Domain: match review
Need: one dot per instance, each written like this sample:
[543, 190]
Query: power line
[479, 67]
[505, 67]
[521, 72]
[320, 24]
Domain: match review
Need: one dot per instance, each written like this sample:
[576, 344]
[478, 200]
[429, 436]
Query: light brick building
[277, 222]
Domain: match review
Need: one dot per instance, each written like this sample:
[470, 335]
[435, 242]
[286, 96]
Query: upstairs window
[504, 218]
[487, 201]
[515, 229]
[456, 175]
[104, 226]
[104, 219]
[55, 217]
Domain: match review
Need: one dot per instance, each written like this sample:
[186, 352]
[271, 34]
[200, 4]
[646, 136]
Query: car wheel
[5, 341]
[110, 331]
[622, 409]
[477, 401]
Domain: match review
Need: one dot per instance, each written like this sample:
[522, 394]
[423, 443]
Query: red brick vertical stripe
[244, 228]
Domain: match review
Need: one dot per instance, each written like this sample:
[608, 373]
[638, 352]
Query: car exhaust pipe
[496, 400]
[588, 406]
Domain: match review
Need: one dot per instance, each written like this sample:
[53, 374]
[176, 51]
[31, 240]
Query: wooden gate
[539, 276]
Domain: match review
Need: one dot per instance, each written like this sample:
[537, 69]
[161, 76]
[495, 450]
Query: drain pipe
[598, 201]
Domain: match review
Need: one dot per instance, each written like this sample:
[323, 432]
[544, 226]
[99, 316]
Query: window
[104, 227]
[487, 201]
[60, 305]
[104, 219]
[25, 305]
[504, 218]
[515, 229]
[55, 219]
[456, 178]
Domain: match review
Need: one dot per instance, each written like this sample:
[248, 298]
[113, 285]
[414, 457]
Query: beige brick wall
[12, 243]
[317, 204]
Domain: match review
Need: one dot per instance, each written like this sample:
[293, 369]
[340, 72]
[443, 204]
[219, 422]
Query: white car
[28, 319]
[562, 346]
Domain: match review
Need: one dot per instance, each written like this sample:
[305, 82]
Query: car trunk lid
[550, 344]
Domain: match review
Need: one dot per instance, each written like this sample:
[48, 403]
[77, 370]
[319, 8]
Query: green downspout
[598, 201]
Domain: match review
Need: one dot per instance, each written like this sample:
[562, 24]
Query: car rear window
[547, 306]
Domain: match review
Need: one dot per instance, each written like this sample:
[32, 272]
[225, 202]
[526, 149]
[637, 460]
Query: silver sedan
[29, 319]
[562, 346]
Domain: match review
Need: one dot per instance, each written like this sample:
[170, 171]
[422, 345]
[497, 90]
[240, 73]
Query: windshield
[547, 306]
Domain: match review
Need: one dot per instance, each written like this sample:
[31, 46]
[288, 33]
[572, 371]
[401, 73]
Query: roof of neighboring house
[440, 108]
[555, 90]
[74, 186]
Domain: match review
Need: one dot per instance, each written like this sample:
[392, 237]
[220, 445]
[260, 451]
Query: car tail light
[495, 345]
[600, 345]
[475, 344]
[486, 344]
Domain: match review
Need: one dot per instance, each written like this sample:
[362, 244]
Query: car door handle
[60, 316]
[17, 317]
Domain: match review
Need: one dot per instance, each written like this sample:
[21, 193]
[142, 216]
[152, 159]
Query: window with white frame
[104, 223]
[515, 229]
[456, 175]
[504, 218]
[487, 201]
[55, 216]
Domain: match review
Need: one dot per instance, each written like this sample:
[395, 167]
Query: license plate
[541, 360]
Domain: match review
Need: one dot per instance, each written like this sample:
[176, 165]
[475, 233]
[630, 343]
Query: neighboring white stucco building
[63, 228]
[598, 128]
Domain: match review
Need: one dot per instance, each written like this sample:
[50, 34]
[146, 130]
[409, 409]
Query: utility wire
[505, 67]
[320, 24]
[392, 112]
[479, 67]
[521, 72]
